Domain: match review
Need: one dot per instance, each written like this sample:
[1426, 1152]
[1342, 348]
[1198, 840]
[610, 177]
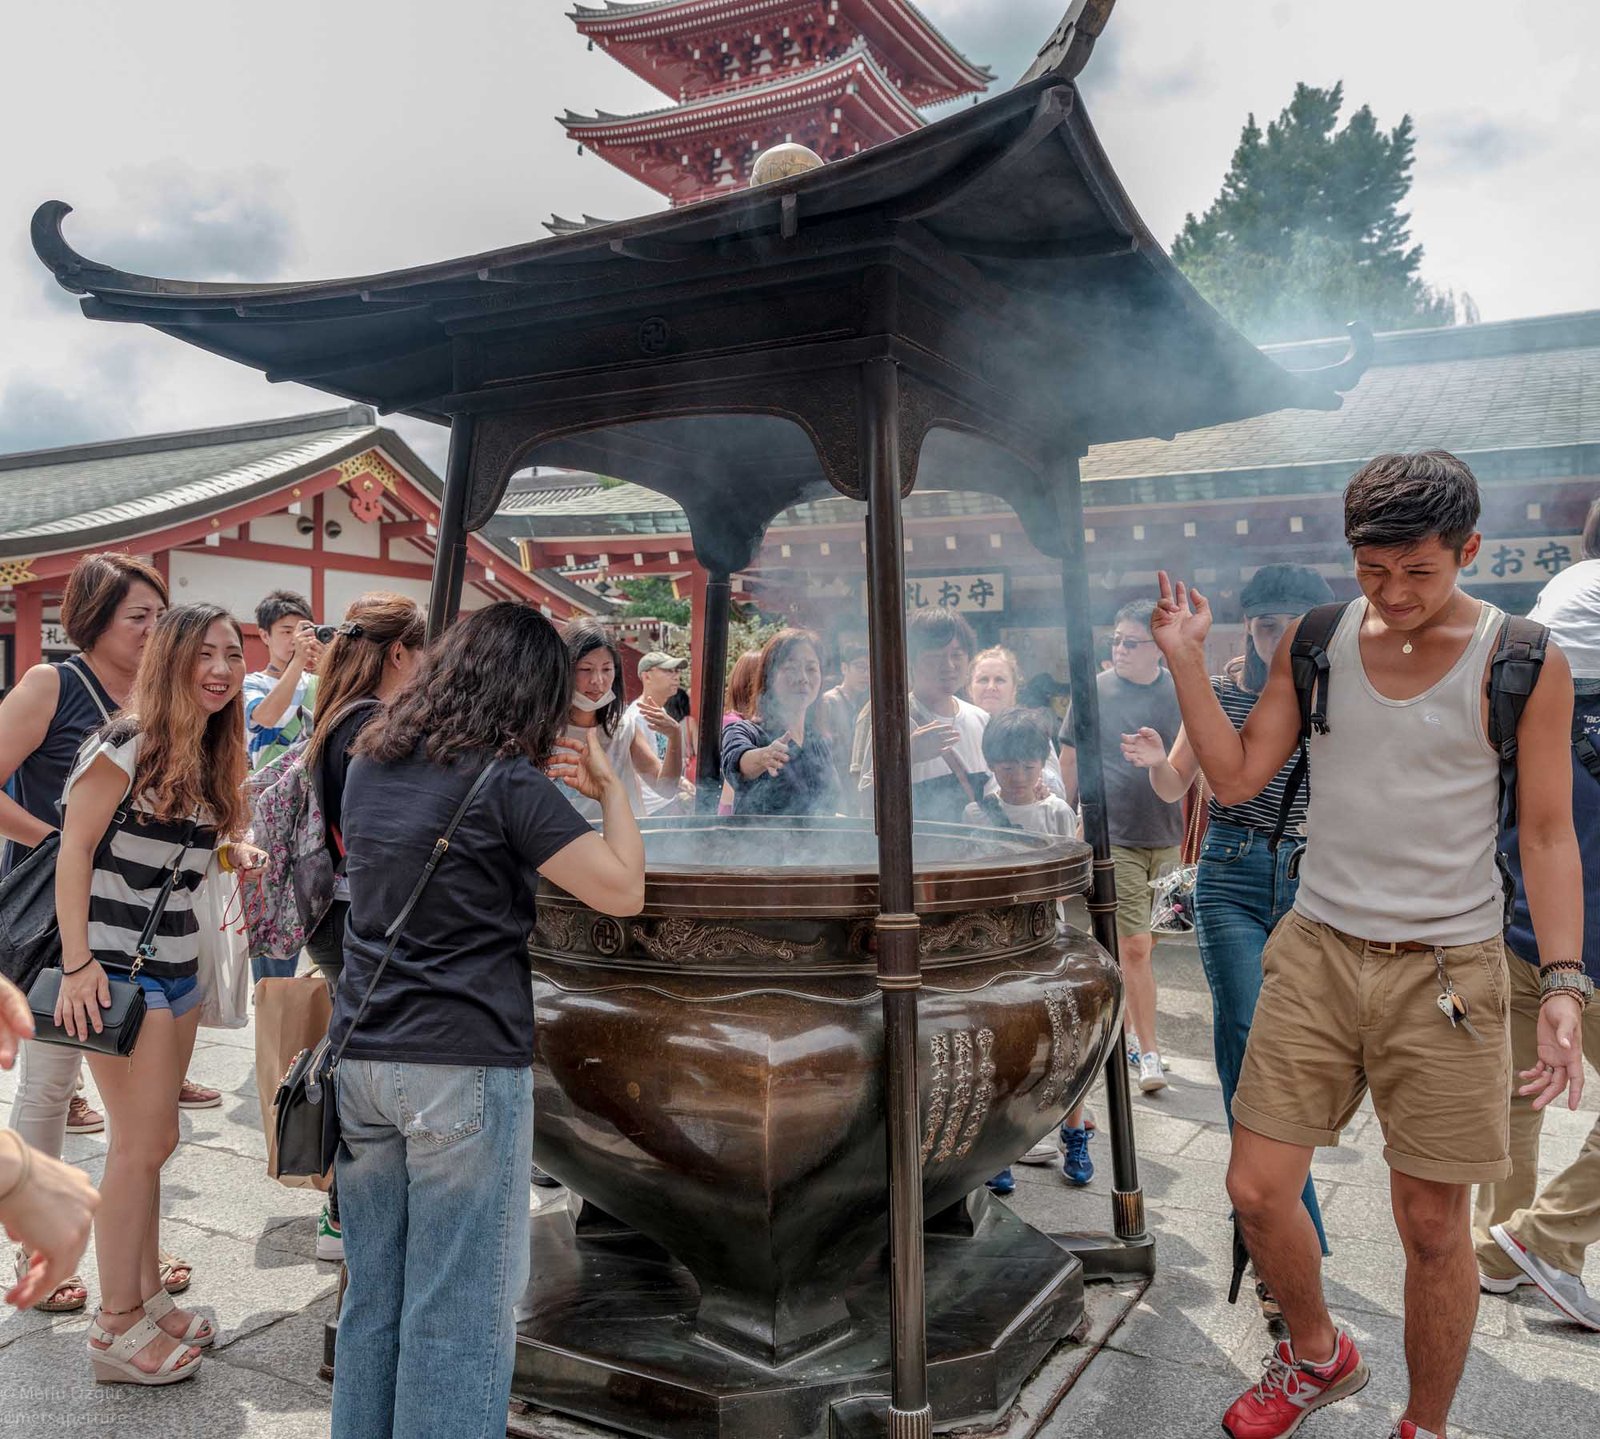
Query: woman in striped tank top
[164, 781]
[1243, 887]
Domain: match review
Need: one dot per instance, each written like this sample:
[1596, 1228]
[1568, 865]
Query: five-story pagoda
[838, 76]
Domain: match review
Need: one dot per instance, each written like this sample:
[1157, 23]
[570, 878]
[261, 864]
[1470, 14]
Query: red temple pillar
[698, 579]
[28, 649]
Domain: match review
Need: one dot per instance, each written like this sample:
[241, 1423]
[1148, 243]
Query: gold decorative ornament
[783, 162]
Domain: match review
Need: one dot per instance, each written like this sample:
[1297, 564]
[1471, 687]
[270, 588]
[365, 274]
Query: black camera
[325, 633]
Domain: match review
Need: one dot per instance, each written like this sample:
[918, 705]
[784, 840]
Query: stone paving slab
[1170, 1358]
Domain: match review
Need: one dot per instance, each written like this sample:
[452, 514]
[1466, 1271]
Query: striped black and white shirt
[129, 874]
[1262, 811]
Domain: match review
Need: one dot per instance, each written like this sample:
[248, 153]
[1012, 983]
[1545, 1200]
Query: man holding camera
[277, 706]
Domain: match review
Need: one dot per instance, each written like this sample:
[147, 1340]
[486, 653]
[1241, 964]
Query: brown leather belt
[1399, 946]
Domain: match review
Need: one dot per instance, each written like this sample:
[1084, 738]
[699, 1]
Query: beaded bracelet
[1573, 966]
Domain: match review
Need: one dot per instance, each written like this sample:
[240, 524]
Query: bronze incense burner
[710, 1080]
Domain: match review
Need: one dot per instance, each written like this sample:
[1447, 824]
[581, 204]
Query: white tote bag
[224, 952]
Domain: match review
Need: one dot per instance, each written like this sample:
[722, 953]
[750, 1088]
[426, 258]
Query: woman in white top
[995, 687]
[1570, 605]
[164, 782]
[596, 703]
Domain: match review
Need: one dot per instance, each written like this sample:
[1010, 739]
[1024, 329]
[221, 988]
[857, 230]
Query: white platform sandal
[199, 1335]
[114, 1364]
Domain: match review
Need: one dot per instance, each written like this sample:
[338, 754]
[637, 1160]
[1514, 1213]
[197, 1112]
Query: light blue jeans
[1241, 891]
[433, 1200]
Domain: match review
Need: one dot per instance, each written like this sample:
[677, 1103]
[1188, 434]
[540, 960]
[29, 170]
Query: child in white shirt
[1015, 747]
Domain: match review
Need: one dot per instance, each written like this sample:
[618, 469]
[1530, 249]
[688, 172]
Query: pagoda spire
[834, 75]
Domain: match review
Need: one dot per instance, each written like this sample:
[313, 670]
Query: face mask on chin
[589, 706]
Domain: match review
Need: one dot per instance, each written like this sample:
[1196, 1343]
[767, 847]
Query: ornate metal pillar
[1133, 1251]
[715, 596]
[450, 558]
[897, 925]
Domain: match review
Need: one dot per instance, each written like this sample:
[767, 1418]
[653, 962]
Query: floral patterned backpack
[296, 889]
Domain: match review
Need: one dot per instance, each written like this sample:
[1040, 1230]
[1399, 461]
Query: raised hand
[581, 765]
[933, 741]
[1144, 748]
[1177, 626]
[657, 718]
[773, 757]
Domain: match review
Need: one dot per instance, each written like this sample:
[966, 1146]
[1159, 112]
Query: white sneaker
[330, 1239]
[1151, 1079]
[1564, 1290]
[1490, 1285]
[1044, 1152]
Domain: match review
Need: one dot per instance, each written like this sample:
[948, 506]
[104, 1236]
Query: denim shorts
[177, 995]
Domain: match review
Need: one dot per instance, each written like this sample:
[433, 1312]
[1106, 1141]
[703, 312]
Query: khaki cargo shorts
[1337, 1017]
[1134, 869]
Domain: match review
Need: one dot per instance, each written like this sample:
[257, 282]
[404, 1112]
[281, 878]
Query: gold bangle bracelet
[24, 1161]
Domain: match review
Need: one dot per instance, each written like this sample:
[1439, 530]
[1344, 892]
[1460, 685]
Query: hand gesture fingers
[16, 1021]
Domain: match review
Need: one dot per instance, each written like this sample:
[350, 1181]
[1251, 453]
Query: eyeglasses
[1122, 642]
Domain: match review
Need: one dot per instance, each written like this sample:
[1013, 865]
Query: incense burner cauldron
[710, 1072]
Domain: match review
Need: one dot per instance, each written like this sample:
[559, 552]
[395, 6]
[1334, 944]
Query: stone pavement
[1176, 1359]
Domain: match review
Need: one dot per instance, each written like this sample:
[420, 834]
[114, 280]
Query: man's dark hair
[1137, 611]
[850, 653]
[1402, 500]
[1015, 736]
[497, 682]
[279, 604]
[934, 628]
[1591, 532]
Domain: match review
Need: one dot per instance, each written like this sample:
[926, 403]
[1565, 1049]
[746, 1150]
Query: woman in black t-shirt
[435, 1085]
[370, 660]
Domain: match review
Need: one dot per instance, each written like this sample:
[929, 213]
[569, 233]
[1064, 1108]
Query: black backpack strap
[1514, 671]
[1308, 663]
[1583, 747]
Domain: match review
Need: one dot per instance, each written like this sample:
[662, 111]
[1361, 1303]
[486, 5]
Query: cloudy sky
[218, 139]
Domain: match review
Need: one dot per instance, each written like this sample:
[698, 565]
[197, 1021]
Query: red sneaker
[1289, 1390]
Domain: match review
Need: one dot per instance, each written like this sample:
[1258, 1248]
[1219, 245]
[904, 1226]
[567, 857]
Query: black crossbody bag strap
[146, 947]
[392, 934]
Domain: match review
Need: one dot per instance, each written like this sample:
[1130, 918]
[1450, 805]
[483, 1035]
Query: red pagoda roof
[656, 41]
[850, 96]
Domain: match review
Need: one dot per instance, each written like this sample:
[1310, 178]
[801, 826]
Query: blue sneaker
[1003, 1184]
[1076, 1166]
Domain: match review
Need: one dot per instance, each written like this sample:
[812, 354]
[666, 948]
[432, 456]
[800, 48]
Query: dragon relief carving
[677, 940]
[557, 927]
[960, 1092]
[1061, 1005]
[979, 930]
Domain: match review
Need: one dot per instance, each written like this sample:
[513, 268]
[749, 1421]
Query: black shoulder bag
[307, 1107]
[121, 1020]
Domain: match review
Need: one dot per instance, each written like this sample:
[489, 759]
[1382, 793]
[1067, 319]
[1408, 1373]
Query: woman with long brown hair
[109, 608]
[162, 785]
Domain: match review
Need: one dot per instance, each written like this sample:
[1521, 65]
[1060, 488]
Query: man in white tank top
[1397, 927]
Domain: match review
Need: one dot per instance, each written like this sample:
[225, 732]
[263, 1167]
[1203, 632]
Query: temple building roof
[1507, 396]
[743, 42]
[854, 79]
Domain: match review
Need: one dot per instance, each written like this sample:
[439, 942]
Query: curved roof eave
[369, 331]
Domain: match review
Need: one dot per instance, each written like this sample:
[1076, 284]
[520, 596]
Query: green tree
[1307, 233]
[652, 597]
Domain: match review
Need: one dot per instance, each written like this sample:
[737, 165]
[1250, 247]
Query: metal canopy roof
[992, 255]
